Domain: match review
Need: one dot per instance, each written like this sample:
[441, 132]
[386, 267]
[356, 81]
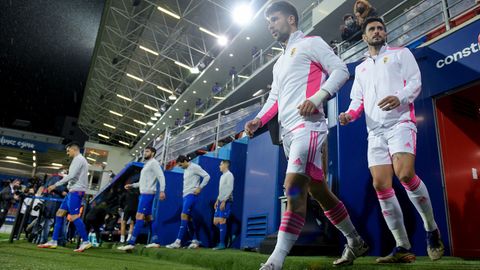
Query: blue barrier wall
[238, 157]
[264, 176]
[353, 178]
[167, 213]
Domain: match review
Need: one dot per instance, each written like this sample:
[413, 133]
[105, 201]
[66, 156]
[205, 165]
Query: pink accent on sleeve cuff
[269, 114]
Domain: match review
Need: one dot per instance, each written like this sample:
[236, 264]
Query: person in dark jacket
[8, 196]
[350, 29]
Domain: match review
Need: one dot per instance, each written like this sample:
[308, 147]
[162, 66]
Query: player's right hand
[128, 186]
[216, 204]
[252, 126]
[344, 118]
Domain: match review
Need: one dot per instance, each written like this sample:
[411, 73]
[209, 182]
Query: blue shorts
[145, 204]
[72, 202]
[225, 213]
[188, 204]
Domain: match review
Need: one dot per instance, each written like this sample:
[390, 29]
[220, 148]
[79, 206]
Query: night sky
[46, 48]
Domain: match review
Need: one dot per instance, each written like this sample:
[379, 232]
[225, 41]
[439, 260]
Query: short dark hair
[182, 159]
[348, 15]
[73, 144]
[370, 20]
[152, 149]
[284, 7]
[226, 162]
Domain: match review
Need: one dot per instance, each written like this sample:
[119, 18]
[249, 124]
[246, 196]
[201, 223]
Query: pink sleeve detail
[269, 114]
[356, 113]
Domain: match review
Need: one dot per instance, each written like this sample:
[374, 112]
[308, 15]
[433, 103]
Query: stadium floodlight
[124, 97]
[242, 14]
[148, 50]
[110, 126]
[222, 40]
[131, 133]
[165, 89]
[169, 13]
[134, 77]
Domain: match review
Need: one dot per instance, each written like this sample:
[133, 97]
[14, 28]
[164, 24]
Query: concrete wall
[117, 159]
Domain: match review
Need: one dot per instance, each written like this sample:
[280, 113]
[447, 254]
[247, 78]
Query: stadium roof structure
[146, 54]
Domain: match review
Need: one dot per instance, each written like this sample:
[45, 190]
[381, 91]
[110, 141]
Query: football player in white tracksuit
[385, 87]
[299, 88]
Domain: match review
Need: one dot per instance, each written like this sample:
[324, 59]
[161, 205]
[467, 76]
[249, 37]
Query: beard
[283, 37]
[376, 43]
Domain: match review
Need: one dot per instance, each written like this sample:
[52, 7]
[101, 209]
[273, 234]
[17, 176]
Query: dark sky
[45, 51]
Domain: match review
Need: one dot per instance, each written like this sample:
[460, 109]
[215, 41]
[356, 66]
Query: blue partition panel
[167, 212]
[264, 176]
[238, 157]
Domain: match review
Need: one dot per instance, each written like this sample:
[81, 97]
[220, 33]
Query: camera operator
[23, 215]
[9, 195]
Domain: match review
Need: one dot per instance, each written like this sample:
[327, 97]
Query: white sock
[392, 213]
[418, 194]
[129, 237]
[340, 218]
[285, 241]
[122, 238]
[290, 228]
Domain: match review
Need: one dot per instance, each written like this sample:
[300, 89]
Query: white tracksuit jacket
[393, 72]
[300, 72]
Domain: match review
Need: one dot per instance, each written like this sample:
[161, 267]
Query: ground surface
[23, 255]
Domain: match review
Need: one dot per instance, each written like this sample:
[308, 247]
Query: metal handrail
[445, 9]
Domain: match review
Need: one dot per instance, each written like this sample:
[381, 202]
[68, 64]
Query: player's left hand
[389, 103]
[51, 188]
[197, 191]
[162, 196]
[222, 206]
[306, 108]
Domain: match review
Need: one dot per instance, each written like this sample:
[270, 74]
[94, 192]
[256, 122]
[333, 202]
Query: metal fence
[412, 24]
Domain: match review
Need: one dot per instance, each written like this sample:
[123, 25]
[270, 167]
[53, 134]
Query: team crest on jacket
[293, 52]
[385, 60]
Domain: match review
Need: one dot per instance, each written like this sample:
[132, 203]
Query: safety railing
[209, 130]
[411, 25]
[261, 58]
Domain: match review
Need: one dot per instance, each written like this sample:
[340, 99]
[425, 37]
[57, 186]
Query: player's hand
[162, 196]
[64, 193]
[51, 188]
[128, 186]
[216, 205]
[344, 118]
[16, 197]
[222, 206]
[389, 103]
[197, 191]
[252, 126]
[306, 108]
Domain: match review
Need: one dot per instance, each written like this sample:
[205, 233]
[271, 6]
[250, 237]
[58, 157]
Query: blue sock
[223, 232]
[58, 228]
[192, 230]
[154, 232]
[136, 231]
[183, 228]
[80, 226]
